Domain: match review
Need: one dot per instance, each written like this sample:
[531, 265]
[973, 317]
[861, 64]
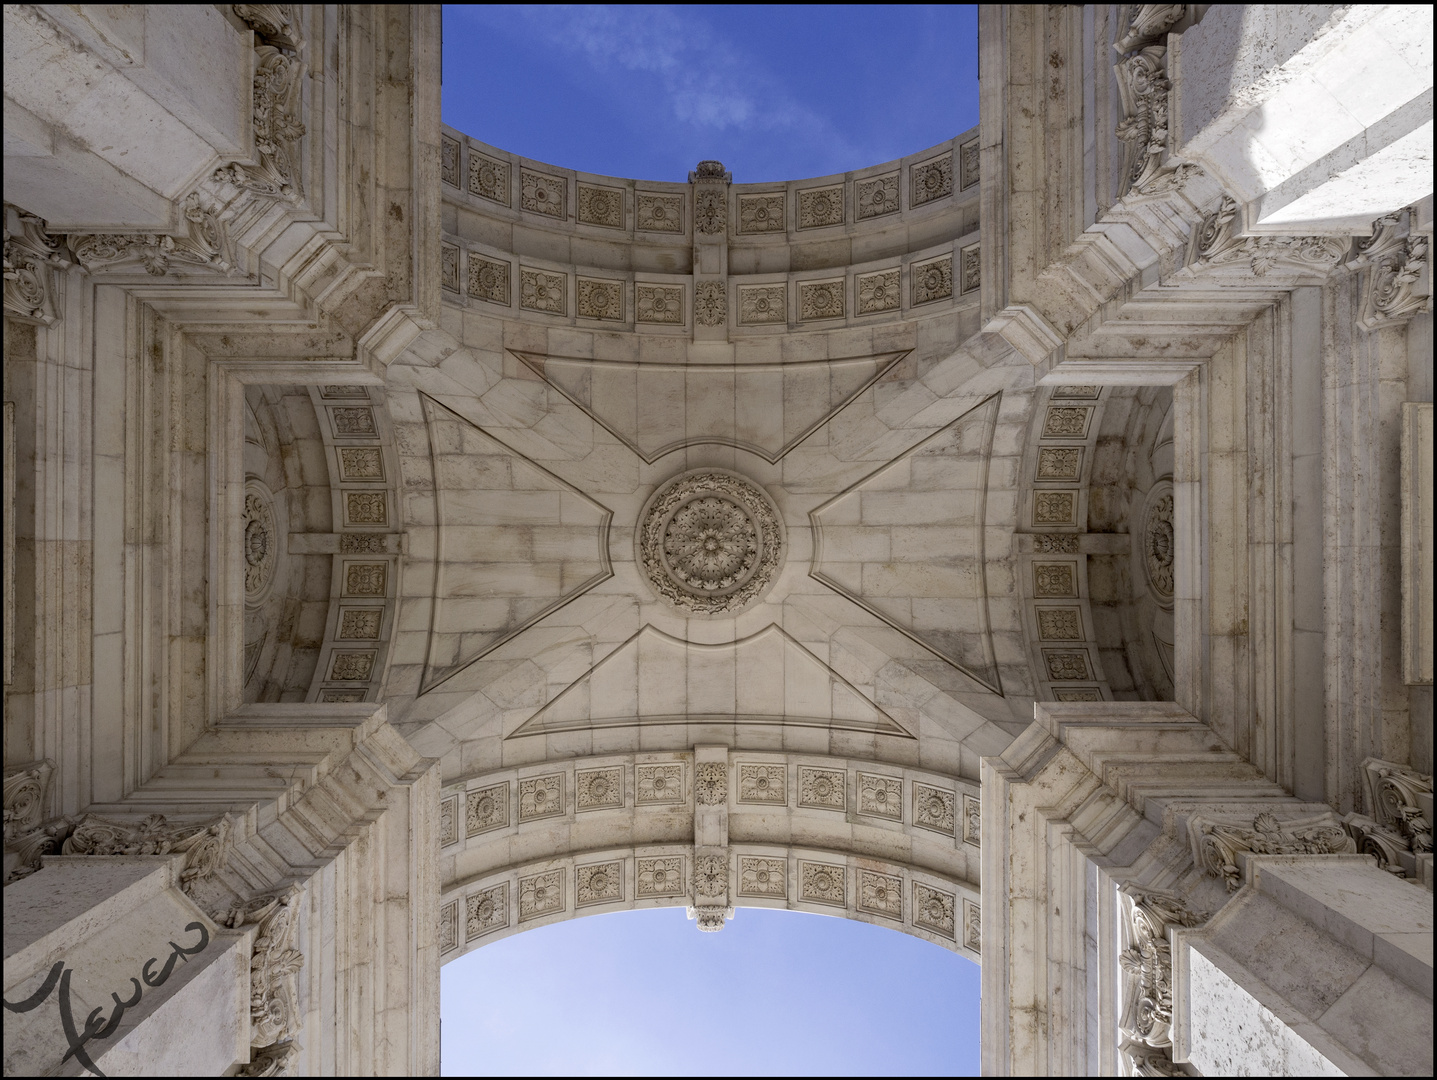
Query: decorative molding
[711, 783]
[972, 926]
[968, 164]
[710, 874]
[762, 877]
[1216, 844]
[710, 541]
[1398, 796]
[710, 181]
[972, 821]
[766, 784]
[710, 919]
[274, 962]
[972, 268]
[277, 1059]
[204, 246]
[449, 821]
[880, 894]
[876, 197]
[710, 303]
[32, 259]
[761, 213]
[935, 910]
[278, 127]
[449, 160]
[1217, 243]
[1396, 261]
[206, 845]
[1143, 89]
[1147, 963]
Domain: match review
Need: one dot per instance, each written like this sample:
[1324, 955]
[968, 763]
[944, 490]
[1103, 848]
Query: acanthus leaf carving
[1398, 796]
[1147, 964]
[274, 962]
[275, 1060]
[205, 246]
[1397, 264]
[1217, 844]
[278, 103]
[25, 789]
[1218, 243]
[1143, 86]
[32, 258]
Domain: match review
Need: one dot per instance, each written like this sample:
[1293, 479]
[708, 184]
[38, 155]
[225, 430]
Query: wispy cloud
[700, 77]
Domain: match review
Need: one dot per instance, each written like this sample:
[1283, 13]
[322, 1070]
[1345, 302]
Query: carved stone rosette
[710, 541]
[1216, 844]
[1147, 964]
[1396, 261]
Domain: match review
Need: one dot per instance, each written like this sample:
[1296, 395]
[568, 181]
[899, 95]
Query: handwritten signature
[96, 1026]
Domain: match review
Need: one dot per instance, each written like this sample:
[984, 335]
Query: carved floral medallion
[710, 541]
[260, 541]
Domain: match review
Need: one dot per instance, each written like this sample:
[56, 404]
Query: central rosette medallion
[710, 541]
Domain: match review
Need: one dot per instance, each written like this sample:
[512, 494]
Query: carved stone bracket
[275, 1060]
[204, 246]
[1217, 843]
[1143, 87]
[1401, 824]
[32, 258]
[1217, 243]
[25, 789]
[274, 994]
[1146, 1019]
[206, 845]
[278, 104]
[1398, 276]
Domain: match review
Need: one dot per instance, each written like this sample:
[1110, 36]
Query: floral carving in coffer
[710, 541]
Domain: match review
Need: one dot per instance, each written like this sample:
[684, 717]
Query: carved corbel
[1396, 261]
[1143, 88]
[274, 995]
[1217, 243]
[1147, 963]
[278, 104]
[204, 246]
[275, 1060]
[25, 789]
[1401, 801]
[1216, 844]
[32, 259]
[711, 908]
[206, 845]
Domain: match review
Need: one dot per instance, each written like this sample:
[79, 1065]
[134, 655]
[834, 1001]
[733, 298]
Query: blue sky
[776, 93]
[773, 993]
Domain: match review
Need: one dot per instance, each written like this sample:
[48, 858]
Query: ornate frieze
[660, 784]
[931, 180]
[1397, 282]
[1059, 463]
[486, 809]
[1055, 508]
[876, 197]
[824, 789]
[763, 784]
[366, 579]
[359, 624]
[204, 246]
[821, 300]
[972, 821]
[32, 259]
[710, 303]
[601, 206]
[486, 911]
[879, 292]
[1147, 964]
[1055, 544]
[762, 877]
[710, 541]
[662, 304]
[601, 883]
[1216, 844]
[449, 926]
[1217, 243]
[935, 910]
[711, 783]
[760, 213]
[599, 789]
[662, 875]
[489, 280]
[600, 298]
[351, 666]
[1055, 579]
[489, 178]
[205, 845]
[932, 280]
[760, 304]
[541, 894]
[1059, 624]
[1066, 666]
[880, 894]
[449, 821]
[819, 207]
[880, 796]
[822, 883]
[659, 213]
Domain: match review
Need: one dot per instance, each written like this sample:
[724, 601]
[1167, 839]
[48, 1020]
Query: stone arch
[709, 829]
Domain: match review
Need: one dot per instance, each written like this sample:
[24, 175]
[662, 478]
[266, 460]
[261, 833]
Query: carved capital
[32, 259]
[1217, 843]
[1395, 262]
[709, 918]
[1401, 801]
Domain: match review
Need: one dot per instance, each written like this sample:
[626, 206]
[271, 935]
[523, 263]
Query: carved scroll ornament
[1397, 264]
[205, 845]
[1217, 844]
[204, 246]
[1216, 243]
[274, 963]
[1147, 964]
[32, 258]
